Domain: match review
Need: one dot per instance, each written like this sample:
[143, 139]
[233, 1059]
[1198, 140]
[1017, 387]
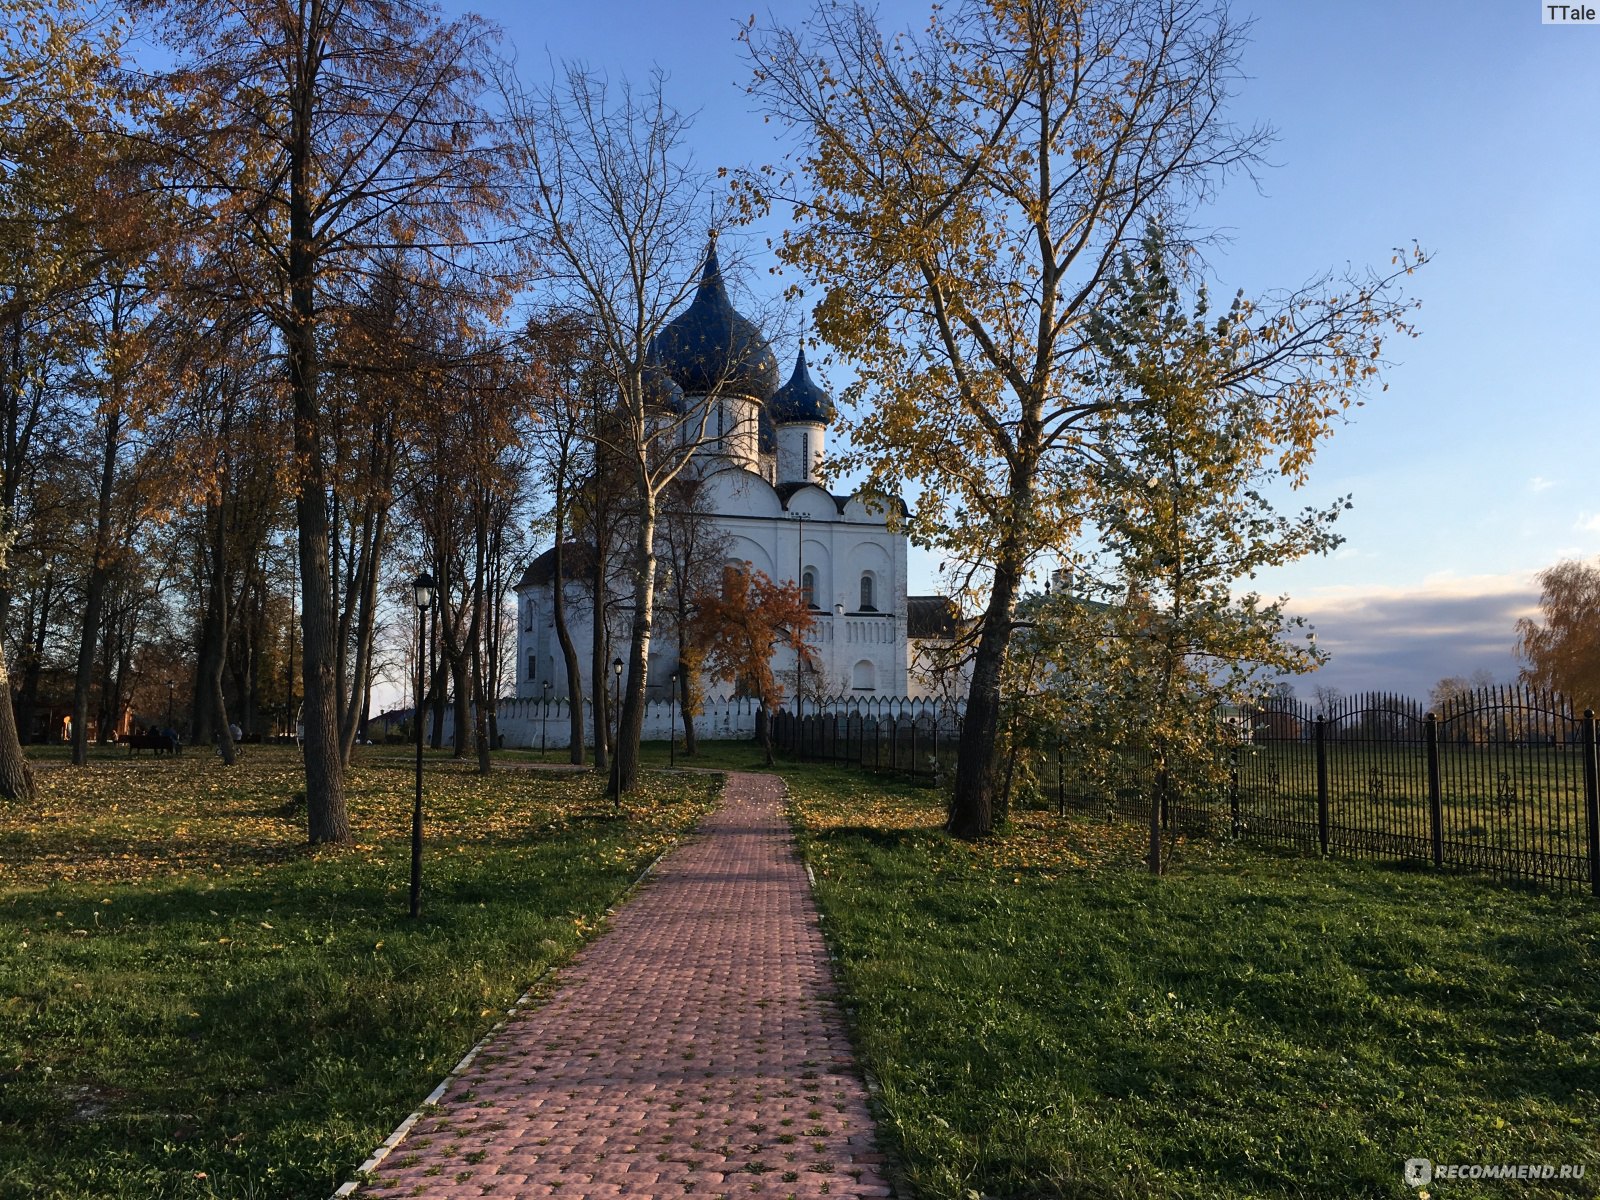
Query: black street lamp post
[544, 725]
[422, 586]
[616, 730]
[672, 720]
[170, 725]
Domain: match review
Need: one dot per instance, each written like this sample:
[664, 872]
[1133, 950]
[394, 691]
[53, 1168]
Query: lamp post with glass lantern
[170, 725]
[672, 720]
[422, 587]
[544, 724]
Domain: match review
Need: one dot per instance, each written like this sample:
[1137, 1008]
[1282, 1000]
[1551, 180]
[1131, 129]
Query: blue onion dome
[660, 391]
[801, 399]
[766, 434]
[710, 348]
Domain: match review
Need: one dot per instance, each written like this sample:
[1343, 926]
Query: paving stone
[672, 1047]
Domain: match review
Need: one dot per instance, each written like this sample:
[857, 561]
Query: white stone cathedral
[761, 492]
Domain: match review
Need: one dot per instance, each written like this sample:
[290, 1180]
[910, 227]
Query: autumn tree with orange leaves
[962, 198]
[62, 107]
[739, 628]
[1562, 647]
[322, 139]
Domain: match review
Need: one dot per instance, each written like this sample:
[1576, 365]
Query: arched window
[866, 594]
[808, 587]
[864, 677]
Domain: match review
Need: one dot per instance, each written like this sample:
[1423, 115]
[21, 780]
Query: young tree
[738, 629]
[693, 552]
[619, 209]
[1562, 649]
[966, 196]
[1180, 463]
[568, 390]
[123, 386]
[323, 136]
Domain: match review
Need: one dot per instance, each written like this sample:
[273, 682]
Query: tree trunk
[436, 671]
[366, 602]
[475, 636]
[202, 713]
[630, 725]
[599, 668]
[972, 807]
[569, 653]
[688, 695]
[33, 669]
[94, 599]
[215, 700]
[462, 702]
[327, 816]
[1158, 801]
[16, 778]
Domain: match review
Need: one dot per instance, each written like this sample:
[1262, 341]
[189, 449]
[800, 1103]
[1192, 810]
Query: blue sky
[1467, 127]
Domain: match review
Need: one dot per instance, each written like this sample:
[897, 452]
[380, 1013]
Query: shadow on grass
[874, 836]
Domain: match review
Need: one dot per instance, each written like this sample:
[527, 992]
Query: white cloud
[1405, 639]
[1540, 484]
[1588, 523]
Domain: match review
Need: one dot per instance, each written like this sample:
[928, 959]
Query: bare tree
[568, 391]
[619, 209]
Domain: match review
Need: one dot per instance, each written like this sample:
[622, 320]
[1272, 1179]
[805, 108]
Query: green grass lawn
[192, 1004]
[1045, 1020]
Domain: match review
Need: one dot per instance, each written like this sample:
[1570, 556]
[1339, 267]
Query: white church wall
[837, 547]
[729, 492]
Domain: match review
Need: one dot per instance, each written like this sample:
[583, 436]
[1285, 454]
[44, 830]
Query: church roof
[766, 433]
[577, 560]
[801, 399]
[711, 348]
[930, 617]
[786, 492]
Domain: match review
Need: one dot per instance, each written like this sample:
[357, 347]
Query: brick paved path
[693, 1049]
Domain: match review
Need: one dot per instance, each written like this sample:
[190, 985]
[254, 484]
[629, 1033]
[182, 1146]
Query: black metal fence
[1501, 780]
[916, 738]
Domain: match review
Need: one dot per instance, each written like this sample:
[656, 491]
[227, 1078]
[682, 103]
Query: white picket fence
[528, 724]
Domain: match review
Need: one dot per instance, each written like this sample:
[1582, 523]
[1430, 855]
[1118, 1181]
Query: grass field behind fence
[192, 1004]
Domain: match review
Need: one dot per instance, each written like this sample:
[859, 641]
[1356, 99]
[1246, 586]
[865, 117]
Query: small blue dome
[709, 348]
[801, 399]
[661, 392]
[766, 434]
